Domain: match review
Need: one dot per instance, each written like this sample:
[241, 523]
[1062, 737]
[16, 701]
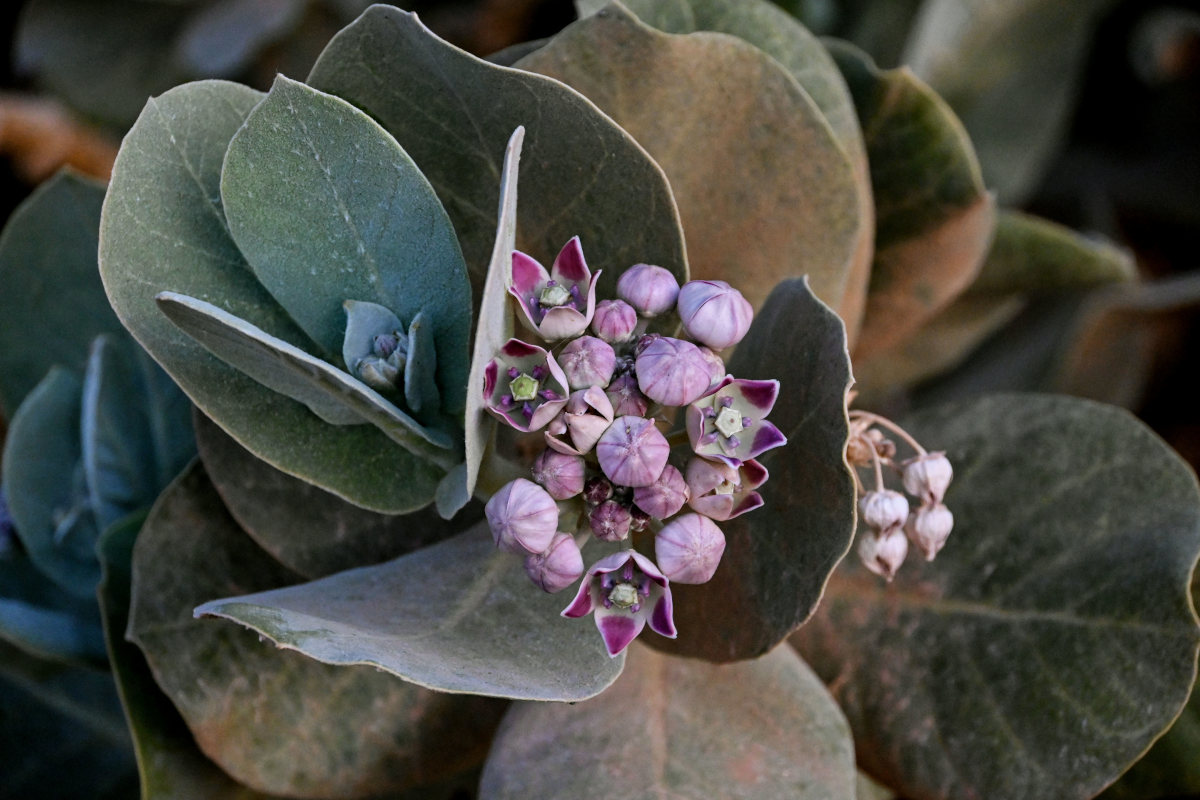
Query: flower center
[623, 595]
[524, 388]
[727, 487]
[729, 421]
[554, 295]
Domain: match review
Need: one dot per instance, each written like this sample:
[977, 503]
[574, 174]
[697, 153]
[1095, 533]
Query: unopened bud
[883, 510]
[927, 477]
[587, 362]
[559, 473]
[928, 528]
[714, 313]
[649, 289]
[671, 371]
[558, 567]
[614, 321]
[665, 496]
[523, 517]
[610, 521]
[883, 554]
[689, 548]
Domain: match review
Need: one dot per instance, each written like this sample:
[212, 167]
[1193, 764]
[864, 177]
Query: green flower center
[729, 422]
[554, 296]
[623, 595]
[524, 387]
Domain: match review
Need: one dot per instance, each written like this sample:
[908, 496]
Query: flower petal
[569, 265]
[618, 629]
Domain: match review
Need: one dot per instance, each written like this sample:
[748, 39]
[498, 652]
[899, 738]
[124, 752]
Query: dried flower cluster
[602, 391]
[891, 524]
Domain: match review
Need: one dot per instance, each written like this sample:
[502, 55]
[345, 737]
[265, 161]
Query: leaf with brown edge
[758, 204]
[275, 720]
[779, 557]
[933, 217]
[673, 727]
[1015, 665]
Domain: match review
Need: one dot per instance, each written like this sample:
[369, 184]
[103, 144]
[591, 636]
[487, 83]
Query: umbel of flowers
[605, 395]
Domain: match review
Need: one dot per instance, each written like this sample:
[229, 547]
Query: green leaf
[1015, 665]
[334, 395]
[452, 113]
[136, 429]
[303, 527]
[245, 701]
[1010, 71]
[755, 209]
[933, 217]
[45, 486]
[51, 298]
[42, 619]
[327, 207]
[673, 727]
[221, 39]
[163, 229]
[779, 557]
[459, 616]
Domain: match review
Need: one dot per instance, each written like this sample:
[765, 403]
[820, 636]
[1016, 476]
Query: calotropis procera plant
[322, 270]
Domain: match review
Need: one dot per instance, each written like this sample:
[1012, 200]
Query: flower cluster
[890, 522]
[602, 391]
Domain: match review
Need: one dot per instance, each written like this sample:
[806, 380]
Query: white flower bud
[928, 528]
[927, 476]
[883, 554]
[883, 510]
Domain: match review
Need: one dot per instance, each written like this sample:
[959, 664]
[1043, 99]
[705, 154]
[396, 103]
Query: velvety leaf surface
[452, 113]
[686, 99]
[366, 732]
[305, 528]
[326, 207]
[1018, 664]
[45, 488]
[779, 557]
[778, 34]
[136, 429]
[1010, 71]
[673, 727]
[163, 229]
[51, 298]
[933, 217]
[459, 616]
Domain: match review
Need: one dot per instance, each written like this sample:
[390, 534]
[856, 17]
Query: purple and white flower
[728, 424]
[523, 386]
[722, 492]
[587, 415]
[557, 304]
[626, 591]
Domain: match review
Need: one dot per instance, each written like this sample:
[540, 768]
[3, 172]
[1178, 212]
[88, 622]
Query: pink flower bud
[883, 554]
[523, 517]
[558, 567]
[716, 367]
[632, 452]
[649, 289]
[587, 415]
[689, 548]
[927, 477]
[714, 313]
[928, 528]
[614, 321]
[665, 496]
[626, 398]
[559, 473]
[610, 521]
[597, 489]
[883, 510]
[671, 371]
[587, 362]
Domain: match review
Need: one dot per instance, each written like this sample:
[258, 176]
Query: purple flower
[587, 361]
[560, 474]
[615, 321]
[671, 371]
[714, 313]
[928, 528]
[586, 416]
[523, 386]
[626, 591]
[626, 398]
[883, 553]
[665, 496]
[523, 517]
[558, 304]
[689, 548]
[927, 477]
[716, 367]
[649, 289]
[610, 521]
[728, 424]
[632, 452]
[558, 567]
[722, 492]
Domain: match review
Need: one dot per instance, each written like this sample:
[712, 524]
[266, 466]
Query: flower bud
[523, 517]
[927, 477]
[883, 510]
[559, 473]
[665, 496]
[632, 452]
[587, 362]
[614, 321]
[626, 398]
[689, 548]
[610, 521]
[883, 554]
[558, 567]
[649, 289]
[378, 374]
[596, 490]
[928, 528]
[671, 371]
[714, 313]
[716, 367]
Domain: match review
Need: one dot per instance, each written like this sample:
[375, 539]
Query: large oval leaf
[326, 207]
[672, 727]
[303, 527]
[755, 208]
[583, 176]
[51, 298]
[239, 695]
[1015, 665]
[163, 229]
[778, 558]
